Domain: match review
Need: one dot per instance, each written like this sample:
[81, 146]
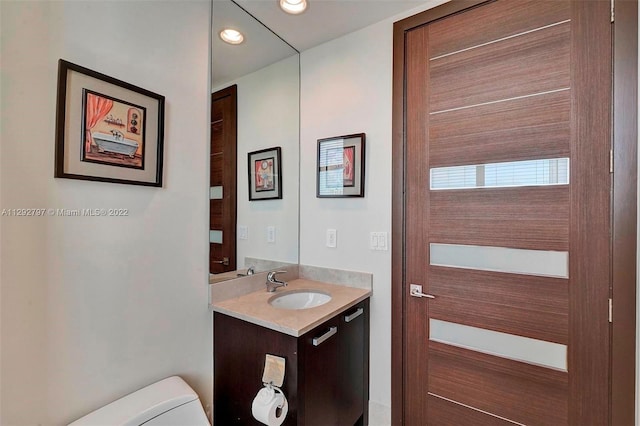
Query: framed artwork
[265, 174]
[106, 129]
[341, 166]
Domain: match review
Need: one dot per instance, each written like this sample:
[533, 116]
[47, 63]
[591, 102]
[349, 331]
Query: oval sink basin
[303, 299]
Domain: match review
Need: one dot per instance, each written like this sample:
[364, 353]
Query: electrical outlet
[332, 238]
[271, 234]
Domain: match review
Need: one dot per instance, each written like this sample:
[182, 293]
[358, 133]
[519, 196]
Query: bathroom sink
[303, 299]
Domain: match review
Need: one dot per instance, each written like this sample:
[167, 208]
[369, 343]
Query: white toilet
[169, 402]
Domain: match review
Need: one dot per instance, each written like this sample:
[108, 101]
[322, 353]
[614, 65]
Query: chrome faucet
[250, 271]
[273, 283]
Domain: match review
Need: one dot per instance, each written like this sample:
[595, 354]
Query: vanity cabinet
[334, 361]
[326, 373]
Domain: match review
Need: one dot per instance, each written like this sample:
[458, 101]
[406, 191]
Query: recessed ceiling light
[231, 36]
[293, 7]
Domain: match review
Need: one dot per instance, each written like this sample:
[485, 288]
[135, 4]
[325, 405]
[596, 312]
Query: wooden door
[222, 207]
[507, 216]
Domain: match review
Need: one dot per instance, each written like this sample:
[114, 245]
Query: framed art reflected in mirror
[265, 174]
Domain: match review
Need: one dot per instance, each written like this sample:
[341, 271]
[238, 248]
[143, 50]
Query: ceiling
[323, 20]
[259, 49]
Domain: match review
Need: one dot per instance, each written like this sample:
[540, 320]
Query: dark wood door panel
[417, 213]
[494, 21]
[543, 294]
[518, 320]
[535, 235]
[216, 170]
[533, 63]
[447, 413]
[589, 268]
[215, 214]
[518, 391]
[523, 203]
[217, 141]
[526, 217]
[522, 129]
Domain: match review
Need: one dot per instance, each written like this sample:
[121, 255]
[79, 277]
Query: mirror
[266, 73]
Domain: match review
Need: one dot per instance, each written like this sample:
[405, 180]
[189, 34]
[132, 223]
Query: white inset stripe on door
[501, 259]
[518, 348]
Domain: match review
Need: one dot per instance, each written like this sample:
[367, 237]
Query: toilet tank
[168, 402]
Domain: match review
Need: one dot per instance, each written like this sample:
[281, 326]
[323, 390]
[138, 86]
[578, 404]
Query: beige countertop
[255, 308]
[215, 278]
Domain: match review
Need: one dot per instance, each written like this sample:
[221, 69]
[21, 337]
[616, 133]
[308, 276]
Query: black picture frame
[107, 130]
[265, 174]
[341, 166]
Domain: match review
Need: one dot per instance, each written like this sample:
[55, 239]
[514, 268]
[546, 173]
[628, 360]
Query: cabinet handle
[356, 314]
[318, 340]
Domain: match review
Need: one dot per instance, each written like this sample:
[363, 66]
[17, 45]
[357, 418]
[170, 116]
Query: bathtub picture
[264, 175]
[113, 131]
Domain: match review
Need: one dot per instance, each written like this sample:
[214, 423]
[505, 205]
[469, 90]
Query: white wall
[268, 116]
[346, 88]
[95, 307]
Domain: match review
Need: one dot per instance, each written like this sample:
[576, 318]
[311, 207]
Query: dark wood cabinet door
[321, 360]
[327, 370]
[353, 368]
[239, 353]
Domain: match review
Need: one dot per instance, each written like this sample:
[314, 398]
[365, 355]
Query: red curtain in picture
[97, 107]
[347, 164]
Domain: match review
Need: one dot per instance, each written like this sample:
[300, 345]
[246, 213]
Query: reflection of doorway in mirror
[222, 181]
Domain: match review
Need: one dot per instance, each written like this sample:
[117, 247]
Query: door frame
[624, 206]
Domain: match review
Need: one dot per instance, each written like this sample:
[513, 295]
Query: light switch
[271, 234]
[331, 238]
[373, 241]
[382, 241]
[379, 241]
[243, 232]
